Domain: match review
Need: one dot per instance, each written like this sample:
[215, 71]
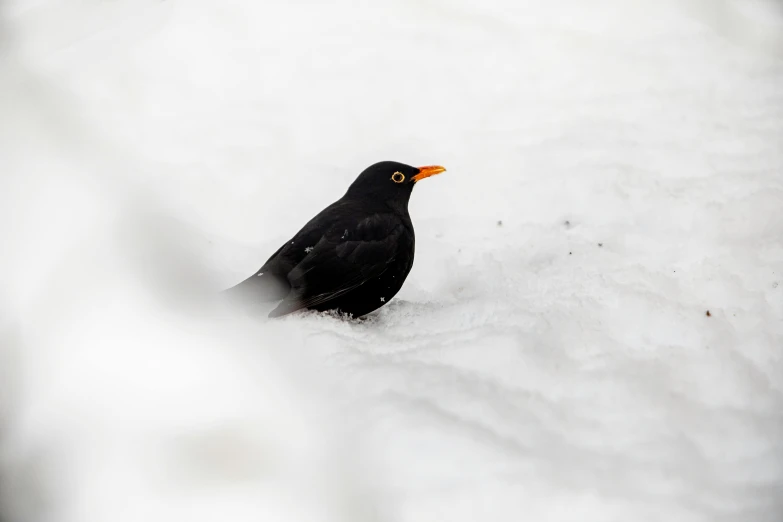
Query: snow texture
[593, 327]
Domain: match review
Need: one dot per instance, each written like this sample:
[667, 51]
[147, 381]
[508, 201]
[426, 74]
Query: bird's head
[390, 180]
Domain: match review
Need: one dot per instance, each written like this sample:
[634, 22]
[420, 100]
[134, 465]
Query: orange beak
[426, 172]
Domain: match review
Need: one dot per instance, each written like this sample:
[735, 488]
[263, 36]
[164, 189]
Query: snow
[615, 171]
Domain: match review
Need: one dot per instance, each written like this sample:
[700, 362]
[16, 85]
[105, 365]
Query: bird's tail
[262, 287]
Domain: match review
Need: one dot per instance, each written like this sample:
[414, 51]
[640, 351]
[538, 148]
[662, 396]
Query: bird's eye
[398, 177]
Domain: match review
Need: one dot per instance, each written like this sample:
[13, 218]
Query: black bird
[352, 257]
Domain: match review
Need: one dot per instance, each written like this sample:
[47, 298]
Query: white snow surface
[615, 171]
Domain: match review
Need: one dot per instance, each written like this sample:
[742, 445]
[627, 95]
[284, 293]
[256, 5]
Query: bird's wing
[341, 261]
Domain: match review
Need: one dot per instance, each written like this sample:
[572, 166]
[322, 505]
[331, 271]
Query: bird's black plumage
[354, 256]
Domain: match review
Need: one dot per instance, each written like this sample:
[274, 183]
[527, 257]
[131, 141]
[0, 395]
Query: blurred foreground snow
[615, 171]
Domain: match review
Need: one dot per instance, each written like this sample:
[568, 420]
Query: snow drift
[615, 172]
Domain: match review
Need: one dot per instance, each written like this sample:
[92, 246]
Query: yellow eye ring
[398, 177]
